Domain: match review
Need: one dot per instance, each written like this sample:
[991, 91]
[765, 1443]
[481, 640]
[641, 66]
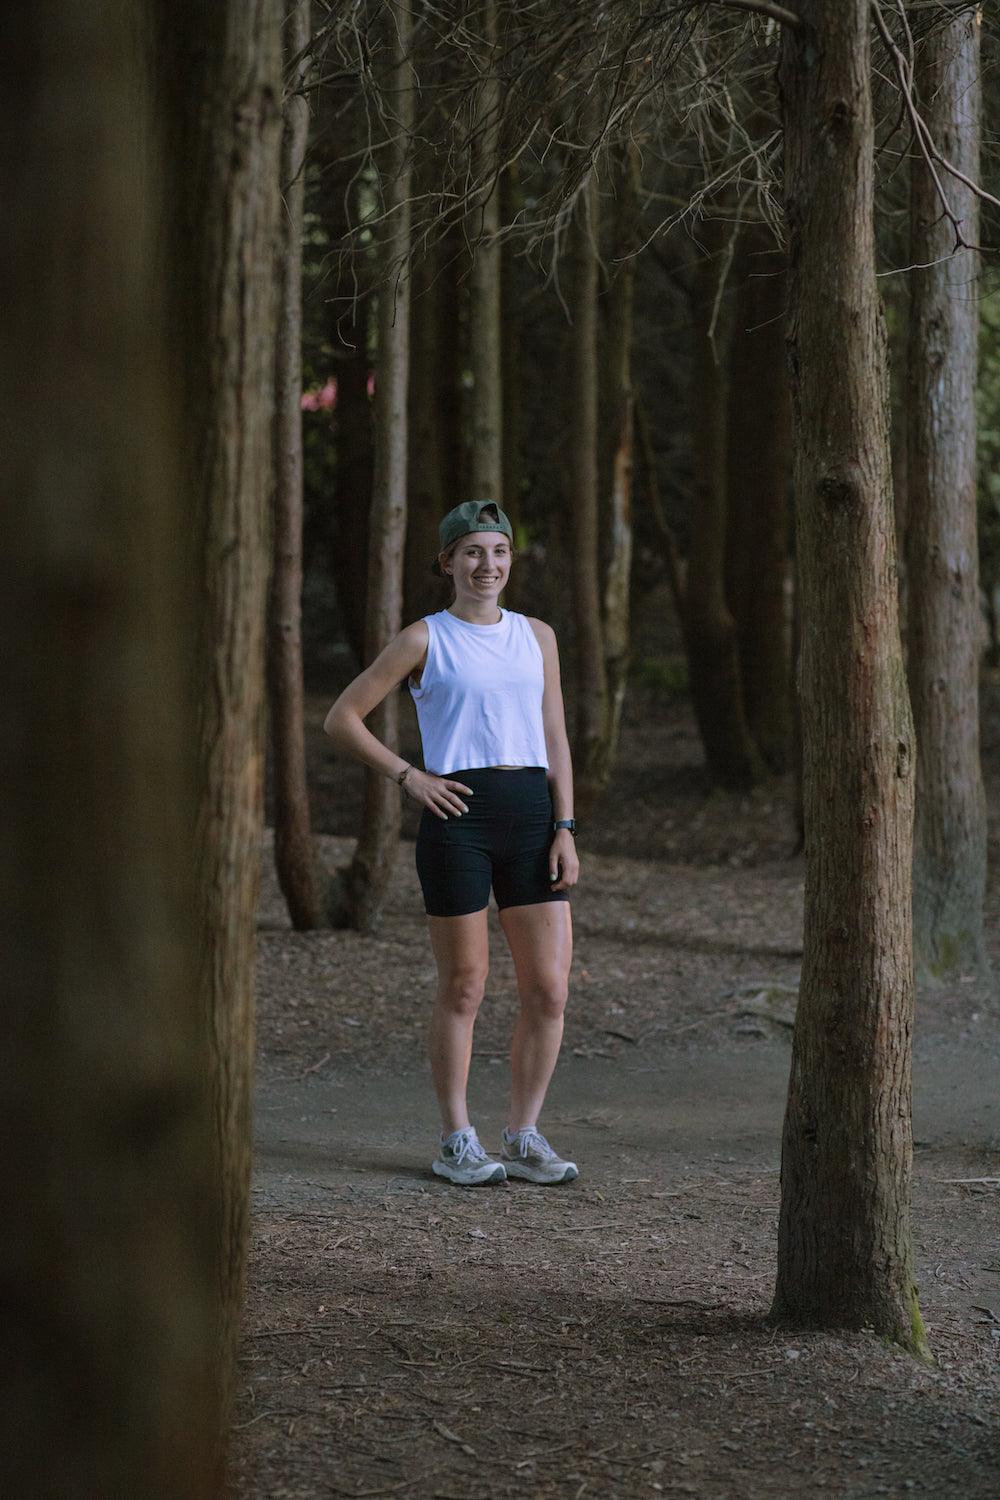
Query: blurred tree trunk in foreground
[845, 1256]
[221, 75]
[107, 1265]
[949, 867]
[367, 878]
[303, 881]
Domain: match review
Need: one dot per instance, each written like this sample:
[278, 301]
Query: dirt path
[670, 1112]
[606, 1339]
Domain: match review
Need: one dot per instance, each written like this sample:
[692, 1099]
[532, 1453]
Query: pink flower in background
[324, 399]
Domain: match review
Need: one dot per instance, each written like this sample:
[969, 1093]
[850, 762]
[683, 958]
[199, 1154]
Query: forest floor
[607, 1338]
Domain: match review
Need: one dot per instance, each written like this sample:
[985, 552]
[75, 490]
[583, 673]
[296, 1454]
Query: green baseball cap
[471, 515]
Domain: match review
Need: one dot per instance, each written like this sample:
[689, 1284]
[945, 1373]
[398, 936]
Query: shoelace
[531, 1140]
[467, 1145]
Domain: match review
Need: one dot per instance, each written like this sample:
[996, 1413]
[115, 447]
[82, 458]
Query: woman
[497, 796]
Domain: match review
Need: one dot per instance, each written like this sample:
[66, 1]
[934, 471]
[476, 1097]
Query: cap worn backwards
[471, 515]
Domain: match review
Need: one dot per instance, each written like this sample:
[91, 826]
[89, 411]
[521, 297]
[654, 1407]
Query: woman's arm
[562, 854]
[346, 727]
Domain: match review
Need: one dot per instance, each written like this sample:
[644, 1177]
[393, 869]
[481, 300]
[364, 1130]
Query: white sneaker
[528, 1154]
[463, 1161]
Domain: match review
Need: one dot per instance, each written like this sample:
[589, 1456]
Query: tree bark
[617, 520]
[510, 371]
[591, 672]
[759, 474]
[431, 397]
[300, 874]
[844, 1249]
[709, 628]
[484, 280]
[107, 1261]
[355, 466]
[949, 869]
[375, 855]
[222, 72]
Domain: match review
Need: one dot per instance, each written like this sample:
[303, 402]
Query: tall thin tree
[591, 669]
[303, 881]
[709, 627]
[221, 80]
[949, 865]
[484, 276]
[759, 484]
[375, 855]
[617, 512]
[845, 1256]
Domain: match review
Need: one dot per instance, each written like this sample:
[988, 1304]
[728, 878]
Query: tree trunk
[222, 68]
[759, 441]
[591, 674]
[300, 874]
[375, 855]
[428, 404]
[617, 518]
[355, 464]
[844, 1249]
[510, 371]
[709, 628]
[484, 280]
[107, 1261]
[949, 868]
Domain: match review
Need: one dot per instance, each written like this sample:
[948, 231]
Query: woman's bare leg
[541, 944]
[461, 950]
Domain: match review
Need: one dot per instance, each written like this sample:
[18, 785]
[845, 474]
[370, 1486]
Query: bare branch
[779, 13]
[925, 141]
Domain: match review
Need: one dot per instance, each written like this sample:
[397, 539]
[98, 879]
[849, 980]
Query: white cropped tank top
[479, 701]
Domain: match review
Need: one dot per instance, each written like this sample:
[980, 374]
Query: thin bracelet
[401, 778]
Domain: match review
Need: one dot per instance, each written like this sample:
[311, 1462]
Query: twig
[315, 1067]
[779, 13]
[453, 1437]
[928, 147]
[392, 1489]
[275, 1333]
[969, 1181]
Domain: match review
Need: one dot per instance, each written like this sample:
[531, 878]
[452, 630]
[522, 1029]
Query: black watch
[569, 823]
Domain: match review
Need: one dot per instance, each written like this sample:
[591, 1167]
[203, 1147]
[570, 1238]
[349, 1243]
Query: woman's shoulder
[544, 634]
[417, 633]
[410, 645]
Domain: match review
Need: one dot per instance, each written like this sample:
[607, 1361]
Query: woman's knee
[545, 998]
[461, 990]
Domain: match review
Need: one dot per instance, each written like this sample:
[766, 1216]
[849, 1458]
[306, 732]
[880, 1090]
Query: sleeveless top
[479, 701]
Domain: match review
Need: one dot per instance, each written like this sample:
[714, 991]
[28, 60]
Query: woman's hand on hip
[439, 795]
[564, 867]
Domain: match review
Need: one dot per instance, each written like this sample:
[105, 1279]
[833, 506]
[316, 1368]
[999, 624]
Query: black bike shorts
[503, 841]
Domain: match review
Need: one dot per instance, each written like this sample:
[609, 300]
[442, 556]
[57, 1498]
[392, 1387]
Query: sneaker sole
[493, 1178]
[569, 1173]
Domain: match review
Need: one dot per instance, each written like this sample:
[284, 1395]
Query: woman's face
[479, 565]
